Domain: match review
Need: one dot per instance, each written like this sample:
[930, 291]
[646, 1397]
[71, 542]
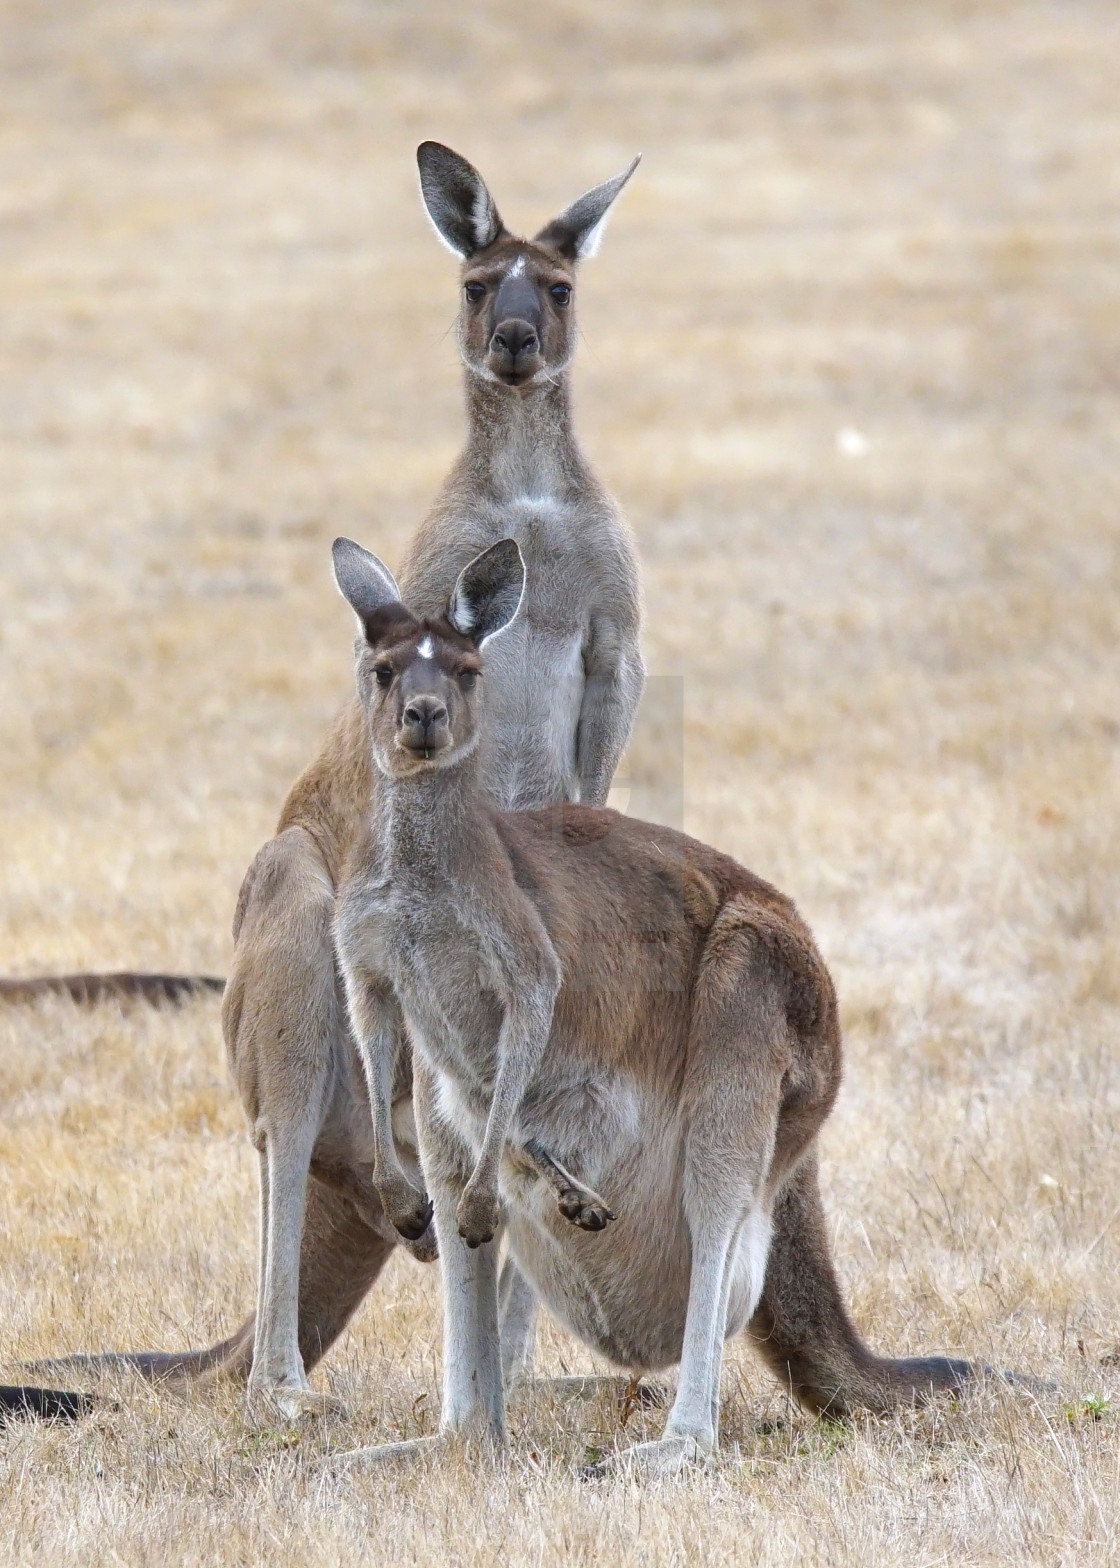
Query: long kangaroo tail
[802, 1327]
[49, 1404]
[340, 1258]
[232, 1356]
[53, 1404]
[127, 985]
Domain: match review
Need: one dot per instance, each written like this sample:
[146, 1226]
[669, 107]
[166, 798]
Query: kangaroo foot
[665, 1456]
[383, 1453]
[265, 1404]
[408, 1211]
[425, 1249]
[584, 1208]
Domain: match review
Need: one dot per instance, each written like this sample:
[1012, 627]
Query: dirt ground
[850, 361]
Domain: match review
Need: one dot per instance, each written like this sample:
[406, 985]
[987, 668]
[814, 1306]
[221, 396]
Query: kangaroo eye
[468, 680]
[474, 291]
[384, 673]
[561, 293]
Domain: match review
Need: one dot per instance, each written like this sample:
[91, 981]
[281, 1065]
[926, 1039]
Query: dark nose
[515, 338]
[426, 713]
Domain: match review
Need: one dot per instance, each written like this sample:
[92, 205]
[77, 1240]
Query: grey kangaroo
[581, 982]
[521, 474]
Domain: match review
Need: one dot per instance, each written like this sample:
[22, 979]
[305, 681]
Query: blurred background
[850, 362]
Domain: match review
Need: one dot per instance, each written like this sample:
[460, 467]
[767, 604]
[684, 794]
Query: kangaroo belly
[624, 1291]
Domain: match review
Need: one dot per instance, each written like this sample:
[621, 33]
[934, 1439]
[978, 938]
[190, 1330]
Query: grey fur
[363, 581]
[521, 476]
[290, 1051]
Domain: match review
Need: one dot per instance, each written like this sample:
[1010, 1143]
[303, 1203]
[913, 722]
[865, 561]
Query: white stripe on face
[426, 650]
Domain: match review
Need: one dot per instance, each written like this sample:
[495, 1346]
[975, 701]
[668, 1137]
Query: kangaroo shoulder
[287, 873]
[330, 797]
[783, 943]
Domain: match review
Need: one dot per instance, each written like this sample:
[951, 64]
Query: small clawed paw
[585, 1209]
[408, 1211]
[415, 1222]
[477, 1217]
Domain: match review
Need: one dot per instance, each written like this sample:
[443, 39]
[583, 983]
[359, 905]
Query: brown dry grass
[224, 341]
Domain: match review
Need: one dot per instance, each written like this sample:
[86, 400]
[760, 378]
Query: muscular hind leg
[731, 1100]
[341, 1257]
[285, 1031]
[518, 1309]
[802, 1328]
[340, 1261]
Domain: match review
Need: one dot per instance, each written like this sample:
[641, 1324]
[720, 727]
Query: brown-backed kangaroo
[521, 474]
[614, 992]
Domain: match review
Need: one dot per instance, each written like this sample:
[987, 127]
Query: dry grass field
[850, 361]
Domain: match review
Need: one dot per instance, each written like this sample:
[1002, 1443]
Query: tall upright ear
[576, 233]
[487, 594]
[459, 205]
[363, 581]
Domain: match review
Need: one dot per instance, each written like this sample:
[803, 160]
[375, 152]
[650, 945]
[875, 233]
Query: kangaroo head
[418, 678]
[516, 318]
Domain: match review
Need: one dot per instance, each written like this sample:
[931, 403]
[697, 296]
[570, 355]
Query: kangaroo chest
[531, 745]
[446, 982]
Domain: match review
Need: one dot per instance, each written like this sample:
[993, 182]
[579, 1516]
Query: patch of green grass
[1093, 1406]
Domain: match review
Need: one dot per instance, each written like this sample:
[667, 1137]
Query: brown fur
[125, 986]
[572, 981]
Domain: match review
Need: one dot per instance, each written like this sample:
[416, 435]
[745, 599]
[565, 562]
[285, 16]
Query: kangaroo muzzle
[515, 351]
[424, 725]
[515, 345]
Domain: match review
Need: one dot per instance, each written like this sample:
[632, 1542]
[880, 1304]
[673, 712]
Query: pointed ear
[487, 594]
[576, 233]
[458, 203]
[363, 581]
